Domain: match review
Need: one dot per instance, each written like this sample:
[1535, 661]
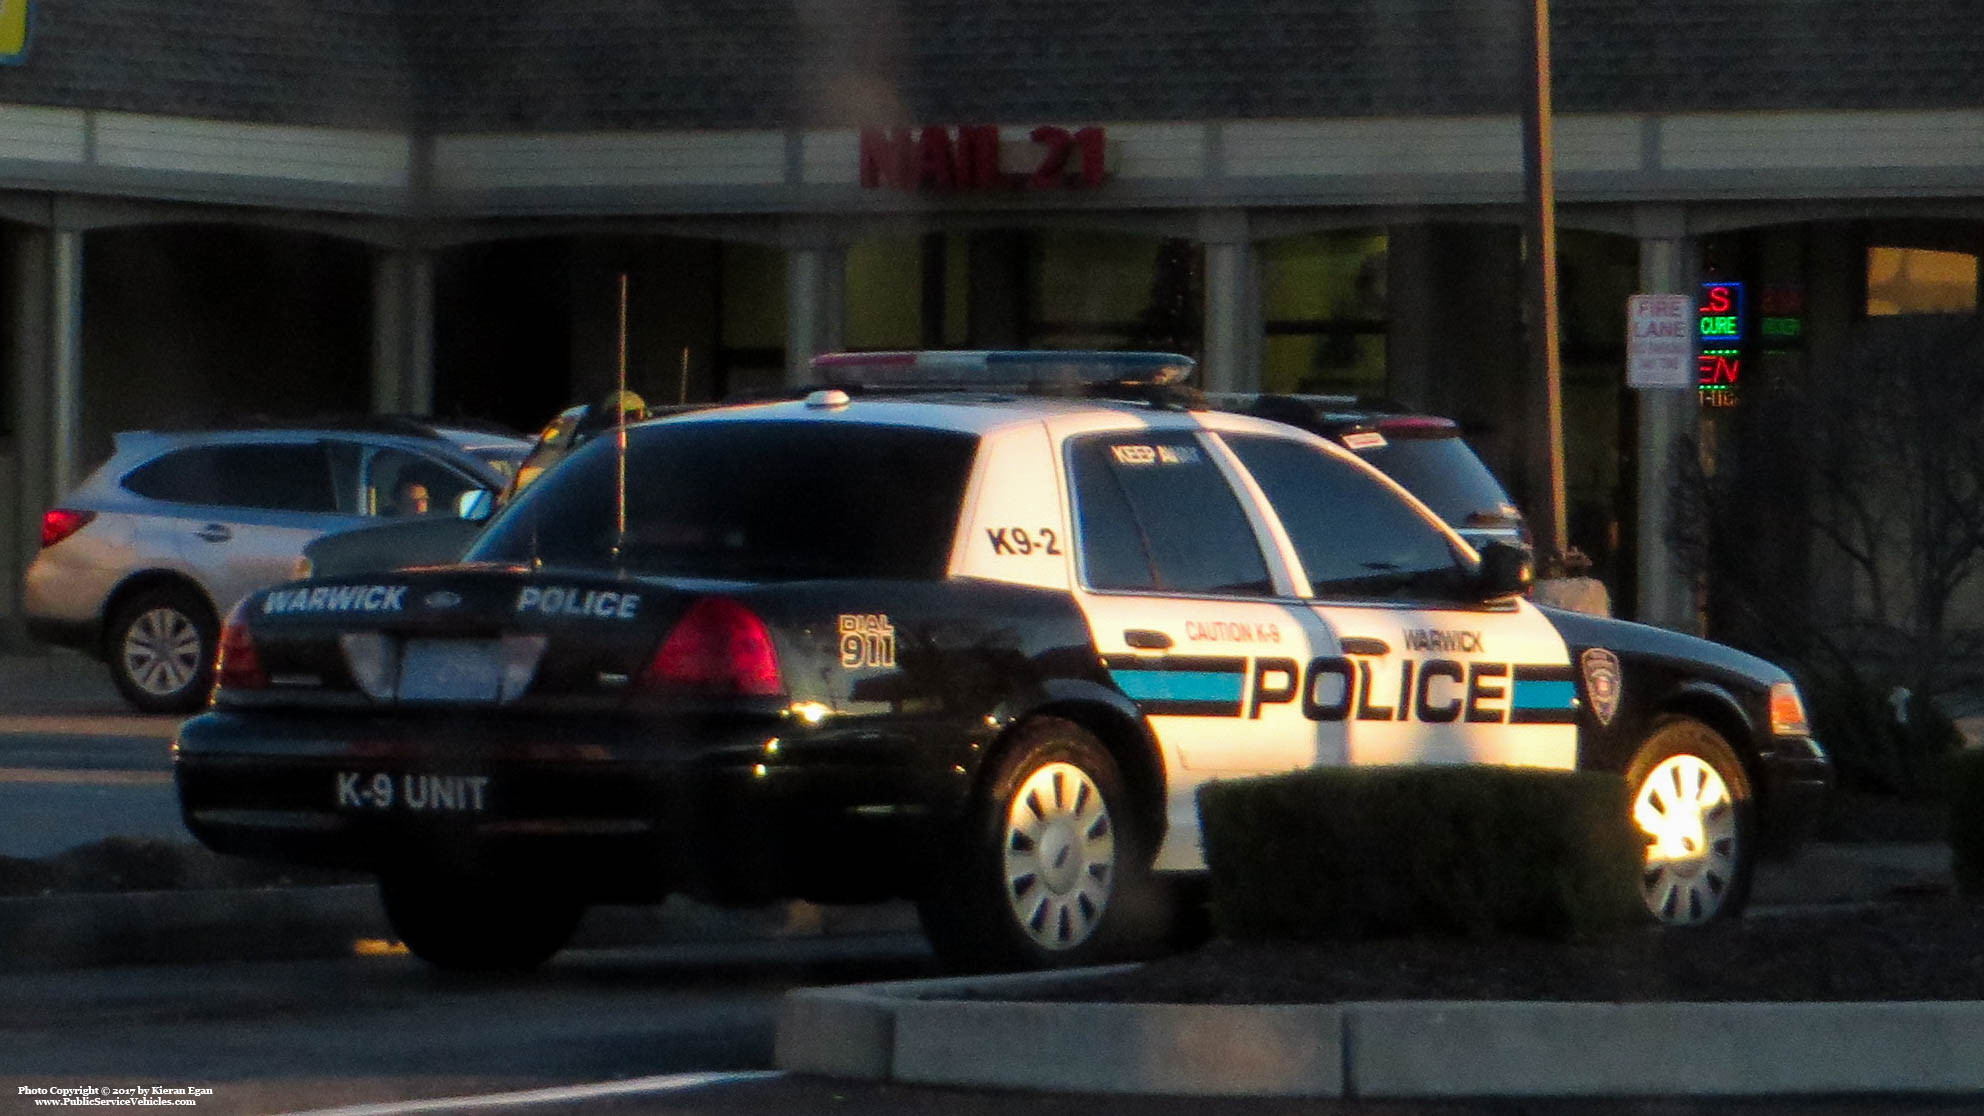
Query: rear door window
[275, 476]
[1153, 512]
[748, 500]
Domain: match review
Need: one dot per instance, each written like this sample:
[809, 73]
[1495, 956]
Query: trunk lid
[452, 636]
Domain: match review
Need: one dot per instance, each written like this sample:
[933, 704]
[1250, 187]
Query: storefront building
[216, 209]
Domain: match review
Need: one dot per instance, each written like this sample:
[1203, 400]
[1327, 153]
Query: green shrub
[1965, 782]
[1345, 853]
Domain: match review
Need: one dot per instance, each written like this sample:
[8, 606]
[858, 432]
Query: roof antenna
[620, 435]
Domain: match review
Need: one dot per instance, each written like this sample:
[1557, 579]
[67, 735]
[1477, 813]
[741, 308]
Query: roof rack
[1153, 378]
[371, 424]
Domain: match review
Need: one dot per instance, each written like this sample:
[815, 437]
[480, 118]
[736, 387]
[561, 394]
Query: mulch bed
[148, 864]
[1922, 949]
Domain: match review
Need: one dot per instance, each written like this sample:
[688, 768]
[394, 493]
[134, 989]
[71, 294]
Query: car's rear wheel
[1053, 869]
[1692, 803]
[473, 924]
[160, 645]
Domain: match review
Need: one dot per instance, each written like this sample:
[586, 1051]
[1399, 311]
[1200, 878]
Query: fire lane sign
[1660, 341]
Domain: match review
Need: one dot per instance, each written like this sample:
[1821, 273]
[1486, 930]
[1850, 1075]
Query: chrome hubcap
[1060, 856]
[162, 651]
[1684, 809]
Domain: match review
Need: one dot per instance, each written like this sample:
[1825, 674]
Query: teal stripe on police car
[1179, 685]
[1552, 699]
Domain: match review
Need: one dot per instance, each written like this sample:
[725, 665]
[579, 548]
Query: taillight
[718, 647]
[59, 523]
[239, 668]
[1787, 711]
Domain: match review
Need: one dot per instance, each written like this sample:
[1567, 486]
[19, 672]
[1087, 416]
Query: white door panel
[1217, 679]
[1434, 685]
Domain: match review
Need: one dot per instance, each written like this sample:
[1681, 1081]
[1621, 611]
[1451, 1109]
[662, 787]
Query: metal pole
[620, 432]
[1540, 196]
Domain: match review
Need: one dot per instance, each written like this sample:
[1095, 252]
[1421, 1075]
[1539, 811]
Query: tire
[1051, 869]
[160, 645]
[1692, 801]
[471, 924]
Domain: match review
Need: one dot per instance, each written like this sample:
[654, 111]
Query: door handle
[1145, 640]
[1365, 645]
[214, 532]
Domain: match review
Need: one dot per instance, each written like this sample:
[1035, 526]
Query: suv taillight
[719, 647]
[59, 523]
[239, 668]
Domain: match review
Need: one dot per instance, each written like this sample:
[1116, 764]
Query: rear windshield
[1444, 473]
[752, 501]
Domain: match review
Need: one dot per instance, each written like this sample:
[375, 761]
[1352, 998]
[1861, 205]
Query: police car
[966, 628]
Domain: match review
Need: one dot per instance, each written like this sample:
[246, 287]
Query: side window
[292, 476]
[187, 476]
[1354, 535]
[399, 482]
[1153, 512]
[282, 476]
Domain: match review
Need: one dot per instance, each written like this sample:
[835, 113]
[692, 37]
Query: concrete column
[419, 379]
[1232, 315]
[65, 365]
[1410, 311]
[815, 293]
[31, 250]
[388, 327]
[1669, 421]
[403, 332]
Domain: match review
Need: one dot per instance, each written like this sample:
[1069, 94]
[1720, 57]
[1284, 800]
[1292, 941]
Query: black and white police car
[947, 629]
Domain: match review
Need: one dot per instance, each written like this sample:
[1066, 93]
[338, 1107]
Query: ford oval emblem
[441, 598]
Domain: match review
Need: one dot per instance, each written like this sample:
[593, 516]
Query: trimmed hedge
[1362, 852]
[1966, 798]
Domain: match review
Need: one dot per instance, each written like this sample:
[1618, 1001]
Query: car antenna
[620, 435]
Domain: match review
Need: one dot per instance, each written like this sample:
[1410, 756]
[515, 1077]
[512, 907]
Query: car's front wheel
[160, 645]
[476, 924]
[1692, 804]
[1053, 870]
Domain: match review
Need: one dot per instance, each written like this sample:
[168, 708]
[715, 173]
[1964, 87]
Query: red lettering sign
[968, 158]
[1718, 368]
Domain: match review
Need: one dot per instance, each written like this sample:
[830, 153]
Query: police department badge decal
[1602, 682]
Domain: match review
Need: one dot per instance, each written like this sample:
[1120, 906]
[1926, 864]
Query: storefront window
[1324, 300]
[753, 331]
[1920, 281]
[1097, 290]
[884, 293]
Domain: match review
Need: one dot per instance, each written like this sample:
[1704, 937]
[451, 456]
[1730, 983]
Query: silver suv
[139, 563]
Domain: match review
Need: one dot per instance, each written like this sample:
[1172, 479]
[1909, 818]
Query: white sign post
[1660, 341]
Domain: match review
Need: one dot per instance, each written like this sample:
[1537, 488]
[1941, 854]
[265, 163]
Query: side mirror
[475, 505]
[1507, 570]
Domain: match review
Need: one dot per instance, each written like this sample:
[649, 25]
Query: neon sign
[1721, 313]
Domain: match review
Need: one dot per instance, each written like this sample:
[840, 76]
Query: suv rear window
[1442, 471]
[757, 501]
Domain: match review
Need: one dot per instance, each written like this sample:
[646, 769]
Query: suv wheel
[1691, 800]
[1053, 872]
[161, 646]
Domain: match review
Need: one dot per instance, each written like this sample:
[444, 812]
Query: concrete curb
[294, 923]
[908, 1031]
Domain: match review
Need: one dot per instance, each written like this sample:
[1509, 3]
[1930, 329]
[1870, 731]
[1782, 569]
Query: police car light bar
[1007, 369]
